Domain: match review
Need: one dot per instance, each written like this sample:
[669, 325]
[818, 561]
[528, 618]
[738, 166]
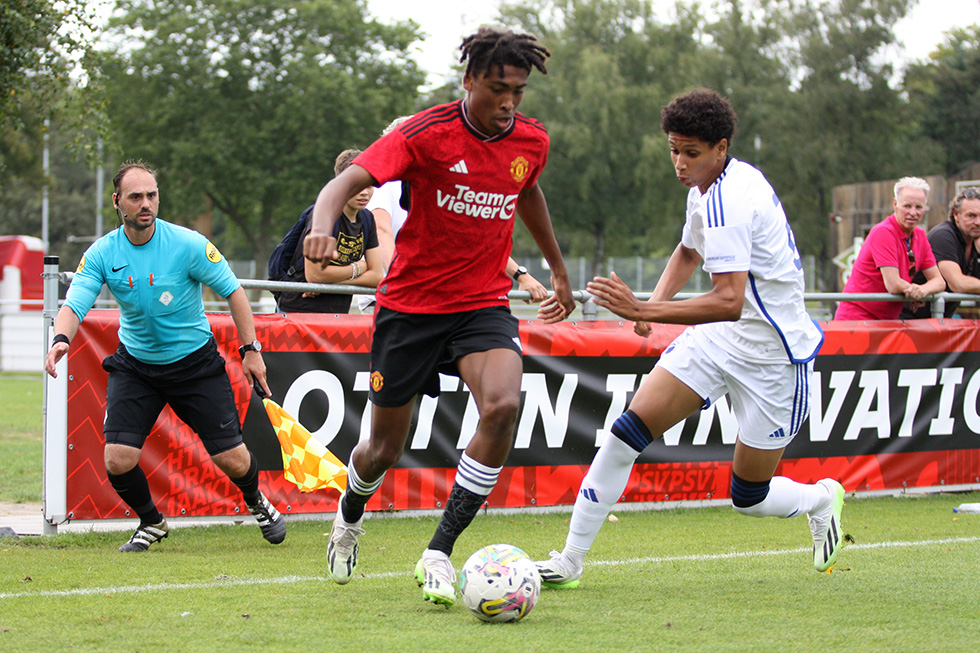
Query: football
[500, 583]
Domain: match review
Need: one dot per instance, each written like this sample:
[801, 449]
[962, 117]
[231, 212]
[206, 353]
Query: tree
[36, 36]
[47, 67]
[608, 175]
[72, 199]
[945, 95]
[244, 105]
[744, 59]
[815, 98]
[843, 121]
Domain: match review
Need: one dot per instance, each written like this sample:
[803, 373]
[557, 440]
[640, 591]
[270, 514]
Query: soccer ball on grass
[500, 583]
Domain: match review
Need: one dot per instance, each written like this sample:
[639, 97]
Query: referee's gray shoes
[145, 535]
[273, 524]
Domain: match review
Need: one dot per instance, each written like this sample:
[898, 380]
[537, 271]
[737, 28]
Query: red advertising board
[894, 405]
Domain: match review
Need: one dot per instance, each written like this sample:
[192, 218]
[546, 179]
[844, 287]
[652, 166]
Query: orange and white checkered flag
[305, 460]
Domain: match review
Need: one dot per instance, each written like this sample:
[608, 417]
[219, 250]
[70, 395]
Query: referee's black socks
[133, 488]
[249, 484]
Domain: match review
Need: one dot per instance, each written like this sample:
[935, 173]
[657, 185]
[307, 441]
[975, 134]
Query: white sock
[787, 498]
[602, 487]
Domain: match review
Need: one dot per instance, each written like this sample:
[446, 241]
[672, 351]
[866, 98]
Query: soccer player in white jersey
[751, 339]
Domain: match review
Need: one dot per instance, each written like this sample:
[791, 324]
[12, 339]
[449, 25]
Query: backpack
[286, 262]
[282, 264]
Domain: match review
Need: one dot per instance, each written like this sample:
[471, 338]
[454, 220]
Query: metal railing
[590, 311]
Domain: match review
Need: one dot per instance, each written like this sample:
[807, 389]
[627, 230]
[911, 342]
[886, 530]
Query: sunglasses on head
[911, 255]
[970, 193]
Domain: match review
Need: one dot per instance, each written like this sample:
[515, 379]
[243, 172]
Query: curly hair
[491, 47]
[702, 114]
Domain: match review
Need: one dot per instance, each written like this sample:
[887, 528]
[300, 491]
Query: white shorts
[365, 304]
[769, 400]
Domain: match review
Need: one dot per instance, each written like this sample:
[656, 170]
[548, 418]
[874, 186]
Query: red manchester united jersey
[451, 252]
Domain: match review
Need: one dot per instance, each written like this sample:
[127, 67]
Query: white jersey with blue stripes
[739, 226]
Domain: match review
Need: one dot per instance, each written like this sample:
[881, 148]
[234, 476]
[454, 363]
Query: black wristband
[60, 337]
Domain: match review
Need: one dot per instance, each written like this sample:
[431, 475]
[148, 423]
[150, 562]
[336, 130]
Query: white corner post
[55, 409]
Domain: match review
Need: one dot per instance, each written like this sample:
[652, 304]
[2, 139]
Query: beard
[134, 223]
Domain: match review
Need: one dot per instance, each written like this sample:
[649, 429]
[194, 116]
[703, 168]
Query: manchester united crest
[519, 168]
[377, 381]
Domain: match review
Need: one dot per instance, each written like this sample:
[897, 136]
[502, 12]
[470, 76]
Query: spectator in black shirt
[359, 261]
[954, 244]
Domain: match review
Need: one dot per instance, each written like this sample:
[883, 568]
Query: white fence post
[55, 411]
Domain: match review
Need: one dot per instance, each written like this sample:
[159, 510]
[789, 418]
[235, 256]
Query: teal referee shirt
[158, 288]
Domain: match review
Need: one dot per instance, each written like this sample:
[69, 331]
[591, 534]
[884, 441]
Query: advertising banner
[894, 405]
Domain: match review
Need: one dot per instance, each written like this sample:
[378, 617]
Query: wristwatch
[255, 345]
[520, 270]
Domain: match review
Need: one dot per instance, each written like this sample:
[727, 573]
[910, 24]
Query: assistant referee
[166, 354]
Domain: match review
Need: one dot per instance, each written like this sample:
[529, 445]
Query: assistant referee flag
[305, 460]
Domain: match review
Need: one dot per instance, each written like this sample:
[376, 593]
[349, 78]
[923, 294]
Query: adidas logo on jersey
[460, 168]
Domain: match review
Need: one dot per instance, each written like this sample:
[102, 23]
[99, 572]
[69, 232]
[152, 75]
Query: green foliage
[816, 104]
[72, 198]
[601, 103]
[816, 101]
[243, 106]
[686, 579]
[32, 50]
[945, 93]
[47, 68]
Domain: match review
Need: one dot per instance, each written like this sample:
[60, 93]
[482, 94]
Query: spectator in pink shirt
[895, 248]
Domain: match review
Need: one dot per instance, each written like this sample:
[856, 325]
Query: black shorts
[196, 387]
[409, 350]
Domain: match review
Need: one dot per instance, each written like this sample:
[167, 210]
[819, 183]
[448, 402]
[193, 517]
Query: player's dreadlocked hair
[491, 47]
[701, 114]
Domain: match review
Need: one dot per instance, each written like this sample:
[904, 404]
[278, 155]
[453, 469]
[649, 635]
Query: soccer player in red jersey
[471, 165]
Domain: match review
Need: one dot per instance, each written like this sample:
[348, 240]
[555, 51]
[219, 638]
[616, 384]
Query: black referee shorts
[409, 350]
[196, 387]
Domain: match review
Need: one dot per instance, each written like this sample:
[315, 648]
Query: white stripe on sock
[475, 476]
